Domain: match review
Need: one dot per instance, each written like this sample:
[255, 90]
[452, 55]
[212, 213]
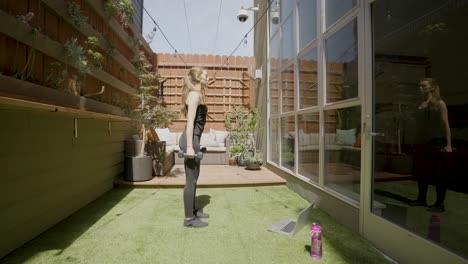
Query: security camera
[275, 17]
[242, 15]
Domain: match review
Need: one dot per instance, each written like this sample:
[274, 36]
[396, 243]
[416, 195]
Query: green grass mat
[145, 226]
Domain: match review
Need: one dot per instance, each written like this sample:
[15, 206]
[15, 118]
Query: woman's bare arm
[193, 100]
[448, 134]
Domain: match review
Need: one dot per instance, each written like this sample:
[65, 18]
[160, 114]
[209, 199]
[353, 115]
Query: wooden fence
[233, 85]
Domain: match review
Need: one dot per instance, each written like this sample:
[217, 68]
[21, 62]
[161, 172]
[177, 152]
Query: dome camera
[275, 17]
[242, 15]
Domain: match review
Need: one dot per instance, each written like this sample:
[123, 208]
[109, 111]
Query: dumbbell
[199, 155]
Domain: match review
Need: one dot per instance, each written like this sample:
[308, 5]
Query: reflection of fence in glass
[274, 140]
[308, 83]
[287, 81]
[308, 144]
[335, 78]
[274, 95]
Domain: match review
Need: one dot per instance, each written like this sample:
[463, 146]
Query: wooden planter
[23, 90]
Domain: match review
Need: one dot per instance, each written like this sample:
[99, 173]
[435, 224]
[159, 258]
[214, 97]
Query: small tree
[145, 112]
[149, 112]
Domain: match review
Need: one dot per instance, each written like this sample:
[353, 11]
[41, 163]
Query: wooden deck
[211, 176]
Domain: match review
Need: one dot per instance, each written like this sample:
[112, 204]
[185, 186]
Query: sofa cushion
[176, 136]
[308, 139]
[216, 149]
[164, 134]
[170, 148]
[316, 147]
[209, 140]
[176, 148]
[346, 137]
[220, 135]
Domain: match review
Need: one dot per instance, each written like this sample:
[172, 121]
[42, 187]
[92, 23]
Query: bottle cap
[316, 228]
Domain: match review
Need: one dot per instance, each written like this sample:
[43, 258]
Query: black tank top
[430, 126]
[200, 120]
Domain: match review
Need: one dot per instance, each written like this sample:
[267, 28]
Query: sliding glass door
[417, 129]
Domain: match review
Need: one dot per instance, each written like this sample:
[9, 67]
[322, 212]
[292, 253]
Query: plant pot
[154, 149]
[253, 165]
[133, 147]
[241, 161]
[232, 162]
[138, 168]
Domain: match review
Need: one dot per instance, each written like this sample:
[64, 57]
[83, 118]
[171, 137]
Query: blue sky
[202, 17]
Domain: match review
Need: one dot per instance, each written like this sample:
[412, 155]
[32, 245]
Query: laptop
[290, 227]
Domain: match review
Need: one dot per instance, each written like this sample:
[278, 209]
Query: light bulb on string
[151, 35]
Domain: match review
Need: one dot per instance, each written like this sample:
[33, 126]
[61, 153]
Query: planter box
[24, 90]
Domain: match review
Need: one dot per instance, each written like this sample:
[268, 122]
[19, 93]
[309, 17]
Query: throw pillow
[220, 135]
[346, 137]
[208, 140]
[164, 134]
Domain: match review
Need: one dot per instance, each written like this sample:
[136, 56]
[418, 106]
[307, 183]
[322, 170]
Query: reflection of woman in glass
[433, 140]
[195, 109]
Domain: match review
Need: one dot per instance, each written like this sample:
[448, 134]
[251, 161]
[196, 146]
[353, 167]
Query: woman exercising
[195, 109]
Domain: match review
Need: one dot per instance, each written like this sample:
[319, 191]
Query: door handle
[374, 134]
[370, 133]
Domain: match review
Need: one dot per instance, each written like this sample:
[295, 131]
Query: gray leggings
[192, 171]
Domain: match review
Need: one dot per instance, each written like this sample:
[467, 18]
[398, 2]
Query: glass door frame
[395, 241]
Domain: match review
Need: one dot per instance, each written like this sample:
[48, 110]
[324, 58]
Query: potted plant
[139, 153]
[236, 152]
[254, 162]
[241, 124]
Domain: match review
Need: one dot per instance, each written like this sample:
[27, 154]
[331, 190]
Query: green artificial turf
[145, 226]
[454, 225]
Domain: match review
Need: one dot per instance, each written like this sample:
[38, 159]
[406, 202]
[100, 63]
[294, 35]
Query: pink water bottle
[316, 241]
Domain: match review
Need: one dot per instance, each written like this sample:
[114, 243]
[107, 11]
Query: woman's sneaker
[201, 214]
[194, 222]
[417, 203]
[436, 208]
